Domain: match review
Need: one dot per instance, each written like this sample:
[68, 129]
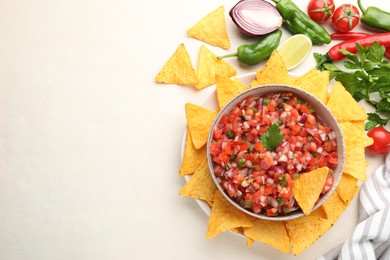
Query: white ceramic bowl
[322, 112]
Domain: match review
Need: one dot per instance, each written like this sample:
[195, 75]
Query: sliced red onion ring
[256, 17]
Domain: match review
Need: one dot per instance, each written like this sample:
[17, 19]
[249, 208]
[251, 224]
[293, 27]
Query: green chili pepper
[266, 101]
[375, 18]
[299, 22]
[252, 54]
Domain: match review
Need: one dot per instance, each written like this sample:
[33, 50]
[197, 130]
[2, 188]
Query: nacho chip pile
[179, 70]
[297, 234]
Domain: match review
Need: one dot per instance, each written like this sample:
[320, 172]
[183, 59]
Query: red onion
[279, 169]
[256, 17]
[303, 118]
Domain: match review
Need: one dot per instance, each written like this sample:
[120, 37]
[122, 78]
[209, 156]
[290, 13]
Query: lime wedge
[295, 50]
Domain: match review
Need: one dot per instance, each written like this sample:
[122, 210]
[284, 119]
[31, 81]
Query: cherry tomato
[320, 11]
[381, 138]
[345, 18]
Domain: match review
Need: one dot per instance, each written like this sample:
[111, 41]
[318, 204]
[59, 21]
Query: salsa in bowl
[263, 140]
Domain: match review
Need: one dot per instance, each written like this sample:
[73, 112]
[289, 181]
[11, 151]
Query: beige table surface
[90, 145]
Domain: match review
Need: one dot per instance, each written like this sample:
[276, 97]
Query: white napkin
[371, 237]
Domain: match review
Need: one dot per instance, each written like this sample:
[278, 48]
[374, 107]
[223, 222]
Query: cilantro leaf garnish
[367, 78]
[272, 138]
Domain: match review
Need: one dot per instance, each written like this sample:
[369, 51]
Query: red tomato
[320, 11]
[345, 18]
[381, 138]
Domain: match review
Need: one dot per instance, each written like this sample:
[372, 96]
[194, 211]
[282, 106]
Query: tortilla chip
[199, 120]
[178, 69]
[212, 29]
[249, 242]
[209, 66]
[317, 85]
[334, 207]
[355, 140]
[307, 188]
[192, 158]
[319, 212]
[347, 188]
[227, 89]
[308, 76]
[200, 185]
[343, 106]
[273, 72]
[354, 135]
[224, 216]
[272, 233]
[304, 231]
[359, 124]
[355, 163]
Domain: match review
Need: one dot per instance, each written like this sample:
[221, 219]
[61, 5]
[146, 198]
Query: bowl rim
[267, 88]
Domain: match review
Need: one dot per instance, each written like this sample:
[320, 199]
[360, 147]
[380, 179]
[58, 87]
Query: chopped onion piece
[256, 17]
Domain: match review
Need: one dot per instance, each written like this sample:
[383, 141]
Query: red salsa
[261, 178]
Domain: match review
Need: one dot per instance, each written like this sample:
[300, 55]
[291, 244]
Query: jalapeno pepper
[298, 22]
[375, 18]
[334, 53]
[252, 54]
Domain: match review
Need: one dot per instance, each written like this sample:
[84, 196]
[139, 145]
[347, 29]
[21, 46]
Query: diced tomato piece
[287, 107]
[224, 120]
[286, 132]
[259, 147]
[294, 114]
[243, 145]
[285, 193]
[304, 109]
[268, 190]
[256, 208]
[290, 182]
[239, 178]
[227, 148]
[332, 159]
[253, 158]
[249, 112]
[267, 162]
[303, 133]
[222, 158]
[295, 129]
[218, 133]
[321, 161]
[312, 147]
[328, 146]
[272, 105]
[310, 121]
[215, 148]
[271, 212]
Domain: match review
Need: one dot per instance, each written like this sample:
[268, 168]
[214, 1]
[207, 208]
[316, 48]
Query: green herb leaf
[272, 138]
[282, 180]
[248, 203]
[374, 120]
[349, 81]
[266, 101]
[367, 78]
[230, 134]
[241, 162]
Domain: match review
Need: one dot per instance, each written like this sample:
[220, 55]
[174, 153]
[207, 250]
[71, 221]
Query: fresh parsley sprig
[367, 78]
